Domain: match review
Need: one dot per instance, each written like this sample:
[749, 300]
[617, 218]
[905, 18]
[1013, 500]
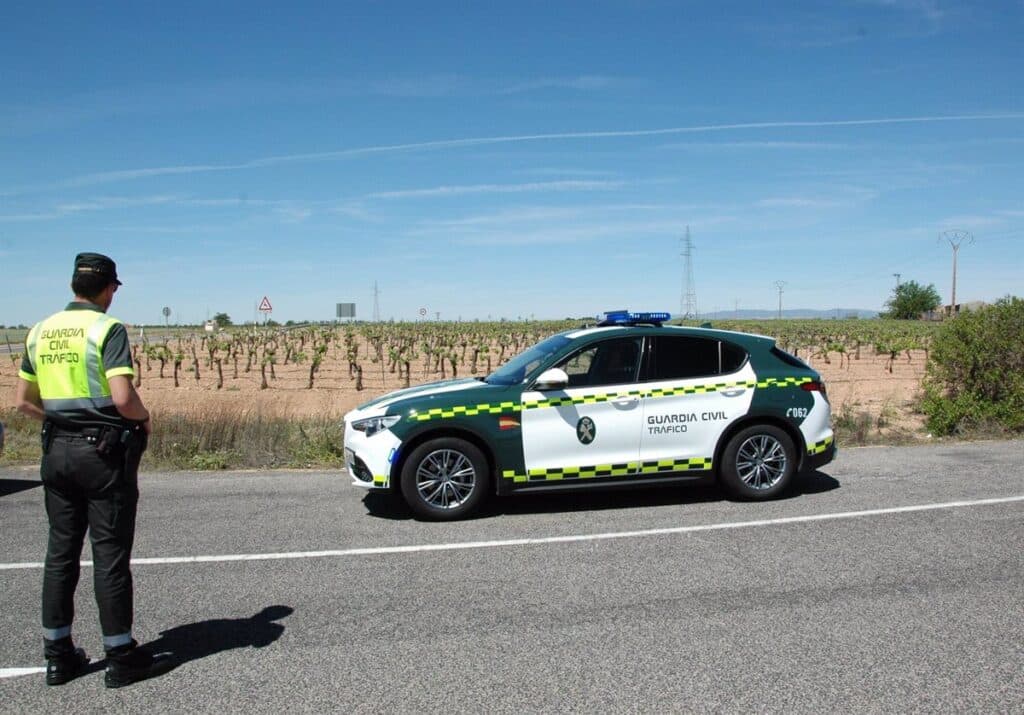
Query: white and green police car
[630, 401]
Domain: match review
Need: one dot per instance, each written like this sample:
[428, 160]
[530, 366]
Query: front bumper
[368, 460]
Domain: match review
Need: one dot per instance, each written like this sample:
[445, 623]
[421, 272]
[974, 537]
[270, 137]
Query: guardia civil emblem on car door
[586, 430]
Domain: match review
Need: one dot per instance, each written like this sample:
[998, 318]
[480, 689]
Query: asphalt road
[904, 611]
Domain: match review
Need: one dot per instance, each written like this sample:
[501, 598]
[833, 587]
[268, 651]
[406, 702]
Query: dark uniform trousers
[86, 490]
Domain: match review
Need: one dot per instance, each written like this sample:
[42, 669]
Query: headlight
[373, 425]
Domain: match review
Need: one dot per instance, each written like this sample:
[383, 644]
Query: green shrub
[975, 375]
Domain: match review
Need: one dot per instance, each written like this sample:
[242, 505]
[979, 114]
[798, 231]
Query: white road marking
[15, 672]
[381, 550]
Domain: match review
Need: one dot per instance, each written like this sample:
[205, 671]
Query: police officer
[76, 377]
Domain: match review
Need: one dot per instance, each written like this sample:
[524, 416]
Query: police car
[629, 401]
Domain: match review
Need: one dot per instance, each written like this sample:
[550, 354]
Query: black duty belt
[80, 432]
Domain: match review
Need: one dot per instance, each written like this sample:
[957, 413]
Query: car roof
[747, 339]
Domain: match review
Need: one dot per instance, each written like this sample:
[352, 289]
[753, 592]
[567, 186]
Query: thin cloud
[169, 99]
[28, 217]
[581, 233]
[581, 83]
[547, 214]
[264, 162]
[554, 171]
[876, 19]
[927, 10]
[757, 145]
[499, 189]
[102, 203]
[972, 222]
[797, 202]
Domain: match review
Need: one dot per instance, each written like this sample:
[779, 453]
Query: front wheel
[758, 463]
[445, 479]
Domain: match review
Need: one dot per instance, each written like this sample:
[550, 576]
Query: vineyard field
[872, 367]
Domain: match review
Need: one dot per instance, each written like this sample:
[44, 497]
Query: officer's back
[76, 378]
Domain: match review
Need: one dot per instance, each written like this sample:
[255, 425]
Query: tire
[758, 463]
[445, 479]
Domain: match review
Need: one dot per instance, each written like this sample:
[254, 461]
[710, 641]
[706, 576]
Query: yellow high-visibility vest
[65, 351]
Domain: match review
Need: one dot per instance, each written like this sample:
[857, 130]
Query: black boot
[129, 664]
[68, 666]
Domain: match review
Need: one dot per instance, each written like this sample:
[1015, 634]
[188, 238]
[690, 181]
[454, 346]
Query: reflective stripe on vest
[65, 353]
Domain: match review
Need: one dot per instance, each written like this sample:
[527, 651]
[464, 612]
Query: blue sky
[508, 159]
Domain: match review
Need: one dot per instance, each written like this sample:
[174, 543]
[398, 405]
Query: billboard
[346, 310]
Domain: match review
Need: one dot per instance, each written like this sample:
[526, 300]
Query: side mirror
[553, 379]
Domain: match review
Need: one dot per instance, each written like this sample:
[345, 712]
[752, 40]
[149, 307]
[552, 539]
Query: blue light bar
[624, 317]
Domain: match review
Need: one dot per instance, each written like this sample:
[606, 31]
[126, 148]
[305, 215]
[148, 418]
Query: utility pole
[897, 280]
[780, 285]
[688, 302]
[955, 238]
[376, 303]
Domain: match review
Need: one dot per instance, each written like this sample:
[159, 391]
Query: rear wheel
[758, 463]
[445, 479]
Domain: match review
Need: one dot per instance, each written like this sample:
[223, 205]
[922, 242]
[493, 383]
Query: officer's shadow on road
[13, 486]
[198, 640]
[704, 490]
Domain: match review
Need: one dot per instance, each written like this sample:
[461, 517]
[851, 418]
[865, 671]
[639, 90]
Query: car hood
[380, 404]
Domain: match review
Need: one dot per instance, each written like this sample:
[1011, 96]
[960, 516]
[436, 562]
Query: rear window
[733, 357]
[680, 358]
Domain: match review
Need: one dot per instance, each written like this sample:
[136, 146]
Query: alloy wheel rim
[761, 462]
[445, 479]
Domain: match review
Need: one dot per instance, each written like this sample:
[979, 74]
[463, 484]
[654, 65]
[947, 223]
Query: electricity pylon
[955, 238]
[780, 285]
[688, 301]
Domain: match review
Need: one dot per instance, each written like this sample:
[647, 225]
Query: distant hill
[768, 314]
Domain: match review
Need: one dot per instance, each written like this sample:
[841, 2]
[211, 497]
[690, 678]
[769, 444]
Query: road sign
[423, 311]
[167, 312]
[265, 306]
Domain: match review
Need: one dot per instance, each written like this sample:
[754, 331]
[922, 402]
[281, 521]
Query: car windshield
[525, 363]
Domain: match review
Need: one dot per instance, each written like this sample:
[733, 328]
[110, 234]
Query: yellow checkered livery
[625, 469]
[820, 447]
[512, 407]
[499, 408]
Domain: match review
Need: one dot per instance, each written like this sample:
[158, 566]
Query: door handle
[733, 393]
[625, 401]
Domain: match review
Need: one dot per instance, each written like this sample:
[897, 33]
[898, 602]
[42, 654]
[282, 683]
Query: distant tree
[222, 320]
[911, 300]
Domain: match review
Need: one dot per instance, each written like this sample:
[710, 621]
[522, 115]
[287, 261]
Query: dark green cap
[96, 263]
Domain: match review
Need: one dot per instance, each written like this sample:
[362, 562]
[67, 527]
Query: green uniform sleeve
[27, 372]
[117, 353]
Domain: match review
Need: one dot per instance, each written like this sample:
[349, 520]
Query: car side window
[733, 357]
[684, 357]
[612, 362]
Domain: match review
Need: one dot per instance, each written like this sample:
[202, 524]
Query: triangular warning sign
[265, 305]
